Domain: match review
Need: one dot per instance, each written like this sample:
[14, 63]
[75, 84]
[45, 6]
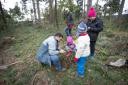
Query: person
[95, 25]
[83, 49]
[70, 47]
[82, 24]
[49, 50]
[69, 23]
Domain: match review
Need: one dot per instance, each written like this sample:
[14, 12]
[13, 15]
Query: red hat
[91, 12]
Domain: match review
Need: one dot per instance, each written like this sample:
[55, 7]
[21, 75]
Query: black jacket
[96, 26]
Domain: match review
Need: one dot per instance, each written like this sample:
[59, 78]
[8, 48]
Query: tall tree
[3, 16]
[51, 10]
[38, 10]
[15, 12]
[34, 8]
[97, 4]
[56, 13]
[111, 7]
[89, 4]
[121, 8]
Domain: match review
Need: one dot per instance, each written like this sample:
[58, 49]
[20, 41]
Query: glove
[76, 59]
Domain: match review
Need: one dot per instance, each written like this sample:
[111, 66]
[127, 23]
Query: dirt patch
[6, 58]
[41, 78]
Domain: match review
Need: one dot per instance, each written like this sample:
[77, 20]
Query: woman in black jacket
[95, 25]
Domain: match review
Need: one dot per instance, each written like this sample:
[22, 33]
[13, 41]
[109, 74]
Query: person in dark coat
[95, 26]
[69, 23]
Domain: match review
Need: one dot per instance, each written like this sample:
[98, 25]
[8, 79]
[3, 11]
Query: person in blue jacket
[48, 51]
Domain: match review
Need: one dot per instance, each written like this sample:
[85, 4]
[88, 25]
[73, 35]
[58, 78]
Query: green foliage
[28, 40]
[15, 12]
[112, 6]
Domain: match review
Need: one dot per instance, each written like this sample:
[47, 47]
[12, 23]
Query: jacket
[83, 46]
[96, 26]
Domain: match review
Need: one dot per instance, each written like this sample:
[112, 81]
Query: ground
[22, 43]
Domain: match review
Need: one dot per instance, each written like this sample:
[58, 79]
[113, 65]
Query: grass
[29, 38]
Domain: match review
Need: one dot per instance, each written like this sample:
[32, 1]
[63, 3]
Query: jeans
[92, 48]
[81, 66]
[44, 57]
[56, 62]
[68, 31]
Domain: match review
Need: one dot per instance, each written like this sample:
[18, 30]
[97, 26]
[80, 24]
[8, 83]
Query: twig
[6, 66]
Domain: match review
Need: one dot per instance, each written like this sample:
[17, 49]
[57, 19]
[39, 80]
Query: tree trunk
[50, 11]
[38, 11]
[84, 9]
[121, 8]
[89, 5]
[97, 4]
[3, 17]
[34, 8]
[56, 13]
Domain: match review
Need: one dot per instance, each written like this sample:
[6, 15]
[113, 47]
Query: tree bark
[56, 13]
[38, 10]
[50, 11]
[3, 17]
[97, 4]
[34, 8]
[121, 8]
[89, 5]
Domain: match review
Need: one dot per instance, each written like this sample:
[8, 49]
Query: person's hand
[62, 51]
[76, 59]
[89, 28]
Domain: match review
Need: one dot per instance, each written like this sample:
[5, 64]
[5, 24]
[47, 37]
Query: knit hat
[82, 27]
[69, 40]
[92, 12]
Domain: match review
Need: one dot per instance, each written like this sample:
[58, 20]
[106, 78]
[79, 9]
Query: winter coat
[83, 46]
[96, 26]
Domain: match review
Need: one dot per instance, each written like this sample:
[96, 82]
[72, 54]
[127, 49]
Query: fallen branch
[6, 66]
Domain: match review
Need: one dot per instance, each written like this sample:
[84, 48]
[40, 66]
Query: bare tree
[51, 10]
[89, 4]
[3, 16]
[97, 4]
[38, 10]
[121, 8]
[56, 13]
[34, 8]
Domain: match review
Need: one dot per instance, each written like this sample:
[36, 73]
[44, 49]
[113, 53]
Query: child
[70, 46]
[83, 49]
[81, 27]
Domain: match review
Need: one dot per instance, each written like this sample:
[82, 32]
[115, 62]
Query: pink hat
[91, 12]
[69, 40]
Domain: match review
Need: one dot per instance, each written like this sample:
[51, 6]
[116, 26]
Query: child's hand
[62, 51]
[88, 28]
